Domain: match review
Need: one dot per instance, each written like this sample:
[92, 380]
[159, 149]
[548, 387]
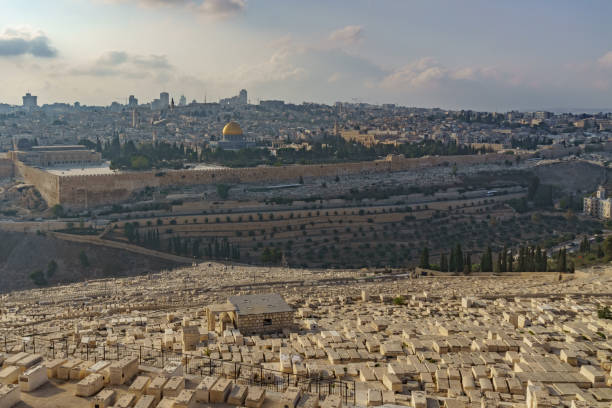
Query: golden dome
[232, 129]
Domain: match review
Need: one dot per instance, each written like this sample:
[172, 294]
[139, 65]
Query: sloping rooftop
[259, 303]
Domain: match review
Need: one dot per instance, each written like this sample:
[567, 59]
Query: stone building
[233, 138]
[48, 156]
[251, 314]
[599, 206]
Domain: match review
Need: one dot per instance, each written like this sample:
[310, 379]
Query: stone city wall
[46, 183]
[94, 190]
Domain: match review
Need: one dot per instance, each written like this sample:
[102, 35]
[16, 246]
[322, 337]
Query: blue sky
[487, 55]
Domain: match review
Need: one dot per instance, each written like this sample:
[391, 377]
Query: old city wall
[94, 190]
[46, 183]
[7, 169]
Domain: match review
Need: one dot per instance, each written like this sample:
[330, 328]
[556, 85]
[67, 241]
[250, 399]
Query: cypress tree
[600, 252]
[443, 263]
[459, 258]
[424, 258]
[510, 261]
[562, 261]
[486, 262]
[468, 264]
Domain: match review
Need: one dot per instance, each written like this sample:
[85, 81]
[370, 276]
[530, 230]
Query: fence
[197, 365]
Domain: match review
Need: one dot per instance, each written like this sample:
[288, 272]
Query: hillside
[574, 176]
[21, 254]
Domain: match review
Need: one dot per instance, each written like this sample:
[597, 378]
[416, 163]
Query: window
[267, 322]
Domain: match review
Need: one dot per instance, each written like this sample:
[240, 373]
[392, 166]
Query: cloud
[25, 41]
[425, 71]
[222, 8]
[605, 60]
[209, 8]
[428, 73]
[350, 34]
[113, 58]
[121, 63]
[277, 67]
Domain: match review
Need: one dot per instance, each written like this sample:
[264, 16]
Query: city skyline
[474, 55]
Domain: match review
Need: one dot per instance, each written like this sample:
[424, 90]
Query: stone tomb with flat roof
[252, 314]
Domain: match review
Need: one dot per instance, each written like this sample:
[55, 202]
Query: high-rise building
[135, 119]
[164, 100]
[599, 206]
[30, 101]
[240, 99]
[133, 101]
[182, 101]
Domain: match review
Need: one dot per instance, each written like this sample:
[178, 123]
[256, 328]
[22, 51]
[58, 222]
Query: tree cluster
[456, 261]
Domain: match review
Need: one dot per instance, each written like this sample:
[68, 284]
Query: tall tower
[30, 101]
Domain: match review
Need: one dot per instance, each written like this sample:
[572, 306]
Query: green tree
[38, 277]
[223, 190]
[459, 261]
[486, 261]
[57, 211]
[600, 252]
[140, 163]
[532, 189]
[443, 263]
[510, 261]
[608, 247]
[497, 265]
[604, 313]
[504, 260]
[562, 261]
[129, 230]
[424, 262]
[51, 268]
[399, 300]
[467, 267]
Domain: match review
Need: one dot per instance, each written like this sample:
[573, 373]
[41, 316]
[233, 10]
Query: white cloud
[423, 72]
[121, 63]
[278, 67]
[605, 60]
[209, 8]
[427, 73]
[222, 8]
[347, 35]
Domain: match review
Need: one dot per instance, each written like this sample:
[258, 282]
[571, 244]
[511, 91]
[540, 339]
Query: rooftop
[58, 148]
[259, 304]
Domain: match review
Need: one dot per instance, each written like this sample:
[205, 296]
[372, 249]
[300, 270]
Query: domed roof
[232, 128]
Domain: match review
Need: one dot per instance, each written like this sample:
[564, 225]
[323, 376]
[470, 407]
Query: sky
[470, 54]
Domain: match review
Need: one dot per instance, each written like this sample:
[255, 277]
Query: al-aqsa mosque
[233, 138]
